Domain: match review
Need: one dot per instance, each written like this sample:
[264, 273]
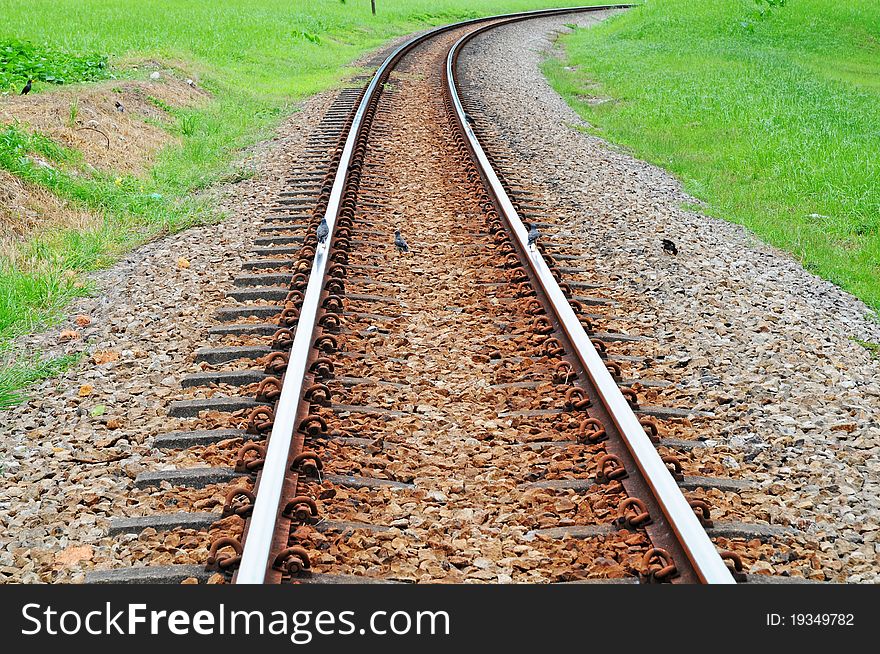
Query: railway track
[454, 413]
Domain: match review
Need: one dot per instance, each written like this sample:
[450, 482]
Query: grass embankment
[256, 57]
[771, 119]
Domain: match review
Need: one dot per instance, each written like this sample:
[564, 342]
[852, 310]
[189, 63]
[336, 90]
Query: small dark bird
[27, 87]
[399, 242]
[323, 231]
[120, 107]
[534, 234]
[469, 118]
[668, 246]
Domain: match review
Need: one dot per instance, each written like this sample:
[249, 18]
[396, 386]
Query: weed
[23, 373]
[72, 113]
[160, 104]
[188, 124]
[873, 348]
[308, 36]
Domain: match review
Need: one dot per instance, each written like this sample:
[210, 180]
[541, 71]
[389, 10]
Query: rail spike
[292, 560]
[234, 504]
[224, 561]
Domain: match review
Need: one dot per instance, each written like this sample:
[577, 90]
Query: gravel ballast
[743, 331]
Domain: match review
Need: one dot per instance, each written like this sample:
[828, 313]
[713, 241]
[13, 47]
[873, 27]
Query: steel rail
[703, 555]
[256, 558]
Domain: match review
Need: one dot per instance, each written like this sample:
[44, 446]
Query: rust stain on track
[457, 331]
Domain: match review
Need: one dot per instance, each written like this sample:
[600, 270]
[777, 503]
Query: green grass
[27, 371]
[769, 115]
[873, 348]
[258, 58]
[42, 276]
[272, 50]
[21, 60]
[35, 286]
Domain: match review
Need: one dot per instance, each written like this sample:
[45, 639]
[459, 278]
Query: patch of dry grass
[26, 209]
[86, 119]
